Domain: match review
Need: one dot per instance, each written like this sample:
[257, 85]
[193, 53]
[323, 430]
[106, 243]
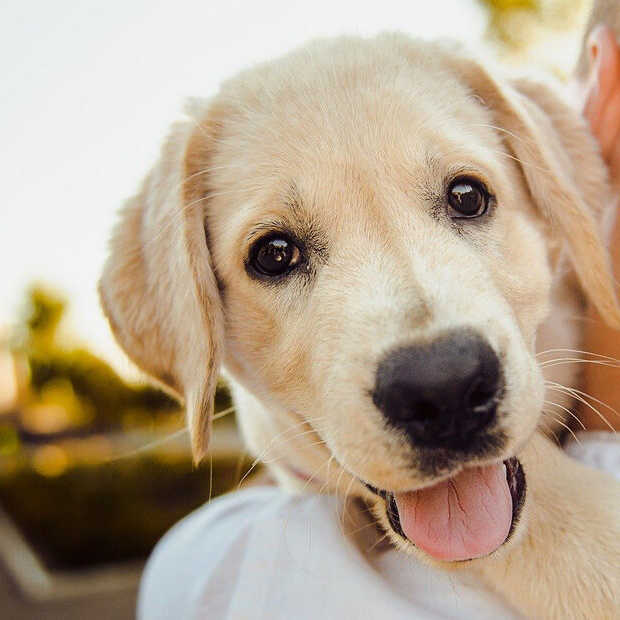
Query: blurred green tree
[516, 24]
[99, 389]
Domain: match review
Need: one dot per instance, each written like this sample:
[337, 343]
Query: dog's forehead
[345, 125]
[362, 100]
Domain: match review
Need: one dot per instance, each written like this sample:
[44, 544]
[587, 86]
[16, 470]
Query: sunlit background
[93, 469]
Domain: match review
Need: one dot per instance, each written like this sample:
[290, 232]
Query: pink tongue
[465, 517]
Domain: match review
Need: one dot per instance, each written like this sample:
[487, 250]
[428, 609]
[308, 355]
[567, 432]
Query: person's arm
[602, 110]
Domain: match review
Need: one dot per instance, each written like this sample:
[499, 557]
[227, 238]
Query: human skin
[602, 111]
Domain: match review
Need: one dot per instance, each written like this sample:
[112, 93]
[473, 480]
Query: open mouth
[462, 518]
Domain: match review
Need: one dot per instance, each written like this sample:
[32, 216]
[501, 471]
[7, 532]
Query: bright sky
[89, 89]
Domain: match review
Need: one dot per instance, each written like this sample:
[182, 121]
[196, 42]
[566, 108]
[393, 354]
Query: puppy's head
[364, 233]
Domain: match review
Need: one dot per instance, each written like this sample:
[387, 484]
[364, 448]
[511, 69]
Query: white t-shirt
[264, 553]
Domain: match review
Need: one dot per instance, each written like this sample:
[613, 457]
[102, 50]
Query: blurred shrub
[61, 477]
[44, 313]
[518, 24]
[112, 512]
[76, 380]
[97, 386]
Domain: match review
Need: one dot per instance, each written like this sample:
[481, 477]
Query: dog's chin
[469, 516]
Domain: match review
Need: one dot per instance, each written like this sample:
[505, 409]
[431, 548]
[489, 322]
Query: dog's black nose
[442, 393]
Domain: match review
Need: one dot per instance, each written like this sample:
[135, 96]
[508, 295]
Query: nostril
[405, 406]
[481, 395]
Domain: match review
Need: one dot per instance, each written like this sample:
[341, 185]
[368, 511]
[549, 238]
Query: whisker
[328, 476]
[596, 400]
[577, 360]
[224, 412]
[346, 497]
[316, 471]
[365, 526]
[547, 429]
[210, 477]
[549, 402]
[150, 446]
[377, 542]
[564, 425]
[239, 467]
[502, 129]
[270, 445]
[571, 392]
[342, 471]
[607, 357]
[255, 462]
[285, 440]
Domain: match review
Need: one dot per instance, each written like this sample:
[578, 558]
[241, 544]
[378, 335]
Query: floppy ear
[158, 288]
[562, 166]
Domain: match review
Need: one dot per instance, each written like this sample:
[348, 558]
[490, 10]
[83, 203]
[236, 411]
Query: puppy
[372, 237]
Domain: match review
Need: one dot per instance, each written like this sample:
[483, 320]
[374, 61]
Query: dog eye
[467, 198]
[274, 256]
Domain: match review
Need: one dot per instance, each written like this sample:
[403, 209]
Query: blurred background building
[94, 463]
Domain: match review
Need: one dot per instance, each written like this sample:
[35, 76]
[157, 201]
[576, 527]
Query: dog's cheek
[524, 398]
[522, 273]
[272, 357]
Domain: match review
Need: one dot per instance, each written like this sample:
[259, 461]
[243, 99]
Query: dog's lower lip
[516, 484]
[515, 476]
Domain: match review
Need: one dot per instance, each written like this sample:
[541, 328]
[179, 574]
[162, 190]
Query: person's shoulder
[214, 541]
[240, 508]
[238, 505]
[234, 511]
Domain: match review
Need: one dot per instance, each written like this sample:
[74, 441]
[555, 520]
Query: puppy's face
[382, 269]
[382, 266]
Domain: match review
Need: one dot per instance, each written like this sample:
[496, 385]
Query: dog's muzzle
[444, 395]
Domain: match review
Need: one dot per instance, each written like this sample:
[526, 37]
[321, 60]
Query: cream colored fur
[355, 141]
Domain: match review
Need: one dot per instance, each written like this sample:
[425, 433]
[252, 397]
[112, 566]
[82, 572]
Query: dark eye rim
[475, 182]
[256, 272]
